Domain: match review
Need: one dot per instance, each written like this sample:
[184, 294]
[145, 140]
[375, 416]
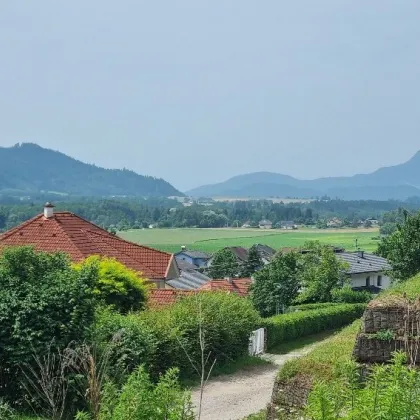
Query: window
[379, 281]
[367, 281]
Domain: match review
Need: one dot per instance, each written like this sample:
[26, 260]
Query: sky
[197, 91]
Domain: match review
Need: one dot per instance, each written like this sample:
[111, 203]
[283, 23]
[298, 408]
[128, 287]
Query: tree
[224, 264]
[320, 273]
[44, 302]
[367, 224]
[117, 285]
[402, 248]
[388, 228]
[253, 264]
[276, 284]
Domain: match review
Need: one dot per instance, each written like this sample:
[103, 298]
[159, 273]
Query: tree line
[135, 213]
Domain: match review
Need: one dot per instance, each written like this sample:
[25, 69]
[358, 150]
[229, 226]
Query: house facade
[366, 271]
[79, 239]
[265, 224]
[196, 258]
[288, 225]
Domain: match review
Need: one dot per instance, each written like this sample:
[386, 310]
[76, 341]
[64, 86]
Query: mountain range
[397, 182]
[29, 168]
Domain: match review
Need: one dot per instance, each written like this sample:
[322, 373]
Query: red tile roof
[77, 237]
[238, 286]
[162, 297]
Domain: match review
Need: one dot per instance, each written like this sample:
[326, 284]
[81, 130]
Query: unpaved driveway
[232, 397]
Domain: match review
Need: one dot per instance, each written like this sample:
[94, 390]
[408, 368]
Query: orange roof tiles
[238, 286]
[162, 297]
[77, 237]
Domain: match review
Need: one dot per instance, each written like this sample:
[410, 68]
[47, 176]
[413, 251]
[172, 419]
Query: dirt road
[233, 397]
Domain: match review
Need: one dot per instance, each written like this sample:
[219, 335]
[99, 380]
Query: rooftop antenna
[356, 244]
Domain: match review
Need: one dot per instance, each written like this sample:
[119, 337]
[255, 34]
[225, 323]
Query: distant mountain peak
[30, 168]
[393, 182]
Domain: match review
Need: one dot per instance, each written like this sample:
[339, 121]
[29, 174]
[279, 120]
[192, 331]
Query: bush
[282, 328]
[348, 295]
[160, 338]
[141, 400]
[227, 321]
[310, 306]
[130, 341]
[117, 285]
[44, 303]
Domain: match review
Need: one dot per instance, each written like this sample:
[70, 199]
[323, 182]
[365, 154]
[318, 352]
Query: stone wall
[389, 324]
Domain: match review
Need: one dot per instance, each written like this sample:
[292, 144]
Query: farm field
[211, 240]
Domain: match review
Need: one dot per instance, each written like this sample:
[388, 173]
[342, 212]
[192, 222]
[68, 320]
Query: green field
[211, 240]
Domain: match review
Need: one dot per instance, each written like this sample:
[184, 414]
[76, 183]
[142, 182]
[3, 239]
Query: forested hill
[30, 168]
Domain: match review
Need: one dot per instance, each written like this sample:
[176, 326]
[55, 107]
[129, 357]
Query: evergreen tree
[224, 264]
[253, 264]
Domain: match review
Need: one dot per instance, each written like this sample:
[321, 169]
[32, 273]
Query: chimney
[361, 254]
[48, 210]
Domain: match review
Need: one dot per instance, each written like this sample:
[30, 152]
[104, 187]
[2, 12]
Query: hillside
[29, 168]
[394, 182]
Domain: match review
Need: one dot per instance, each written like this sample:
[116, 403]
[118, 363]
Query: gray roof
[265, 251]
[189, 280]
[185, 265]
[369, 263]
[194, 254]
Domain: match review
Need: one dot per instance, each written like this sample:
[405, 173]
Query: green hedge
[310, 306]
[159, 338]
[282, 328]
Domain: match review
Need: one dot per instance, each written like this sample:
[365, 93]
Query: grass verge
[323, 362]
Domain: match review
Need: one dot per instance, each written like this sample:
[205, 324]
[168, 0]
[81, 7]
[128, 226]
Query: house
[265, 224]
[335, 222]
[66, 232]
[230, 285]
[366, 271]
[288, 225]
[373, 222]
[196, 258]
[265, 252]
[246, 225]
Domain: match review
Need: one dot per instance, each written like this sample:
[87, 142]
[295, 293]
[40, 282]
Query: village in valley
[209, 210]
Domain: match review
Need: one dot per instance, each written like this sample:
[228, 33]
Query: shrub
[347, 295]
[141, 400]
[310, 306]
[227, 320]
[117, 285]
[130, 341]
[286, 327]
[43, 303]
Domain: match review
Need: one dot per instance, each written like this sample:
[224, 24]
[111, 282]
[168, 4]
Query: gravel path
[233, 397]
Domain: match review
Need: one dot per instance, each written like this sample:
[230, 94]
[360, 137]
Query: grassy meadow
[211, 240]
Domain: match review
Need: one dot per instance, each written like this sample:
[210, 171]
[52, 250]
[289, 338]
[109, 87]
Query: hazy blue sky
[197, 91]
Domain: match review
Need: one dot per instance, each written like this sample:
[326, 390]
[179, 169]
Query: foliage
[140, 399]
[402, 248]
[253, 264]
[117, 285]
[390, 392]
[388, 228]
[384, 335]
[133, 342]
[321, 272]
[282, 328]
[347, 295]
[310, 306]
[43, 302]
[224, 264]
[276, 284]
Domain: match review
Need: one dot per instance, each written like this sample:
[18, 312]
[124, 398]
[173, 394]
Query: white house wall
[359, 280]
